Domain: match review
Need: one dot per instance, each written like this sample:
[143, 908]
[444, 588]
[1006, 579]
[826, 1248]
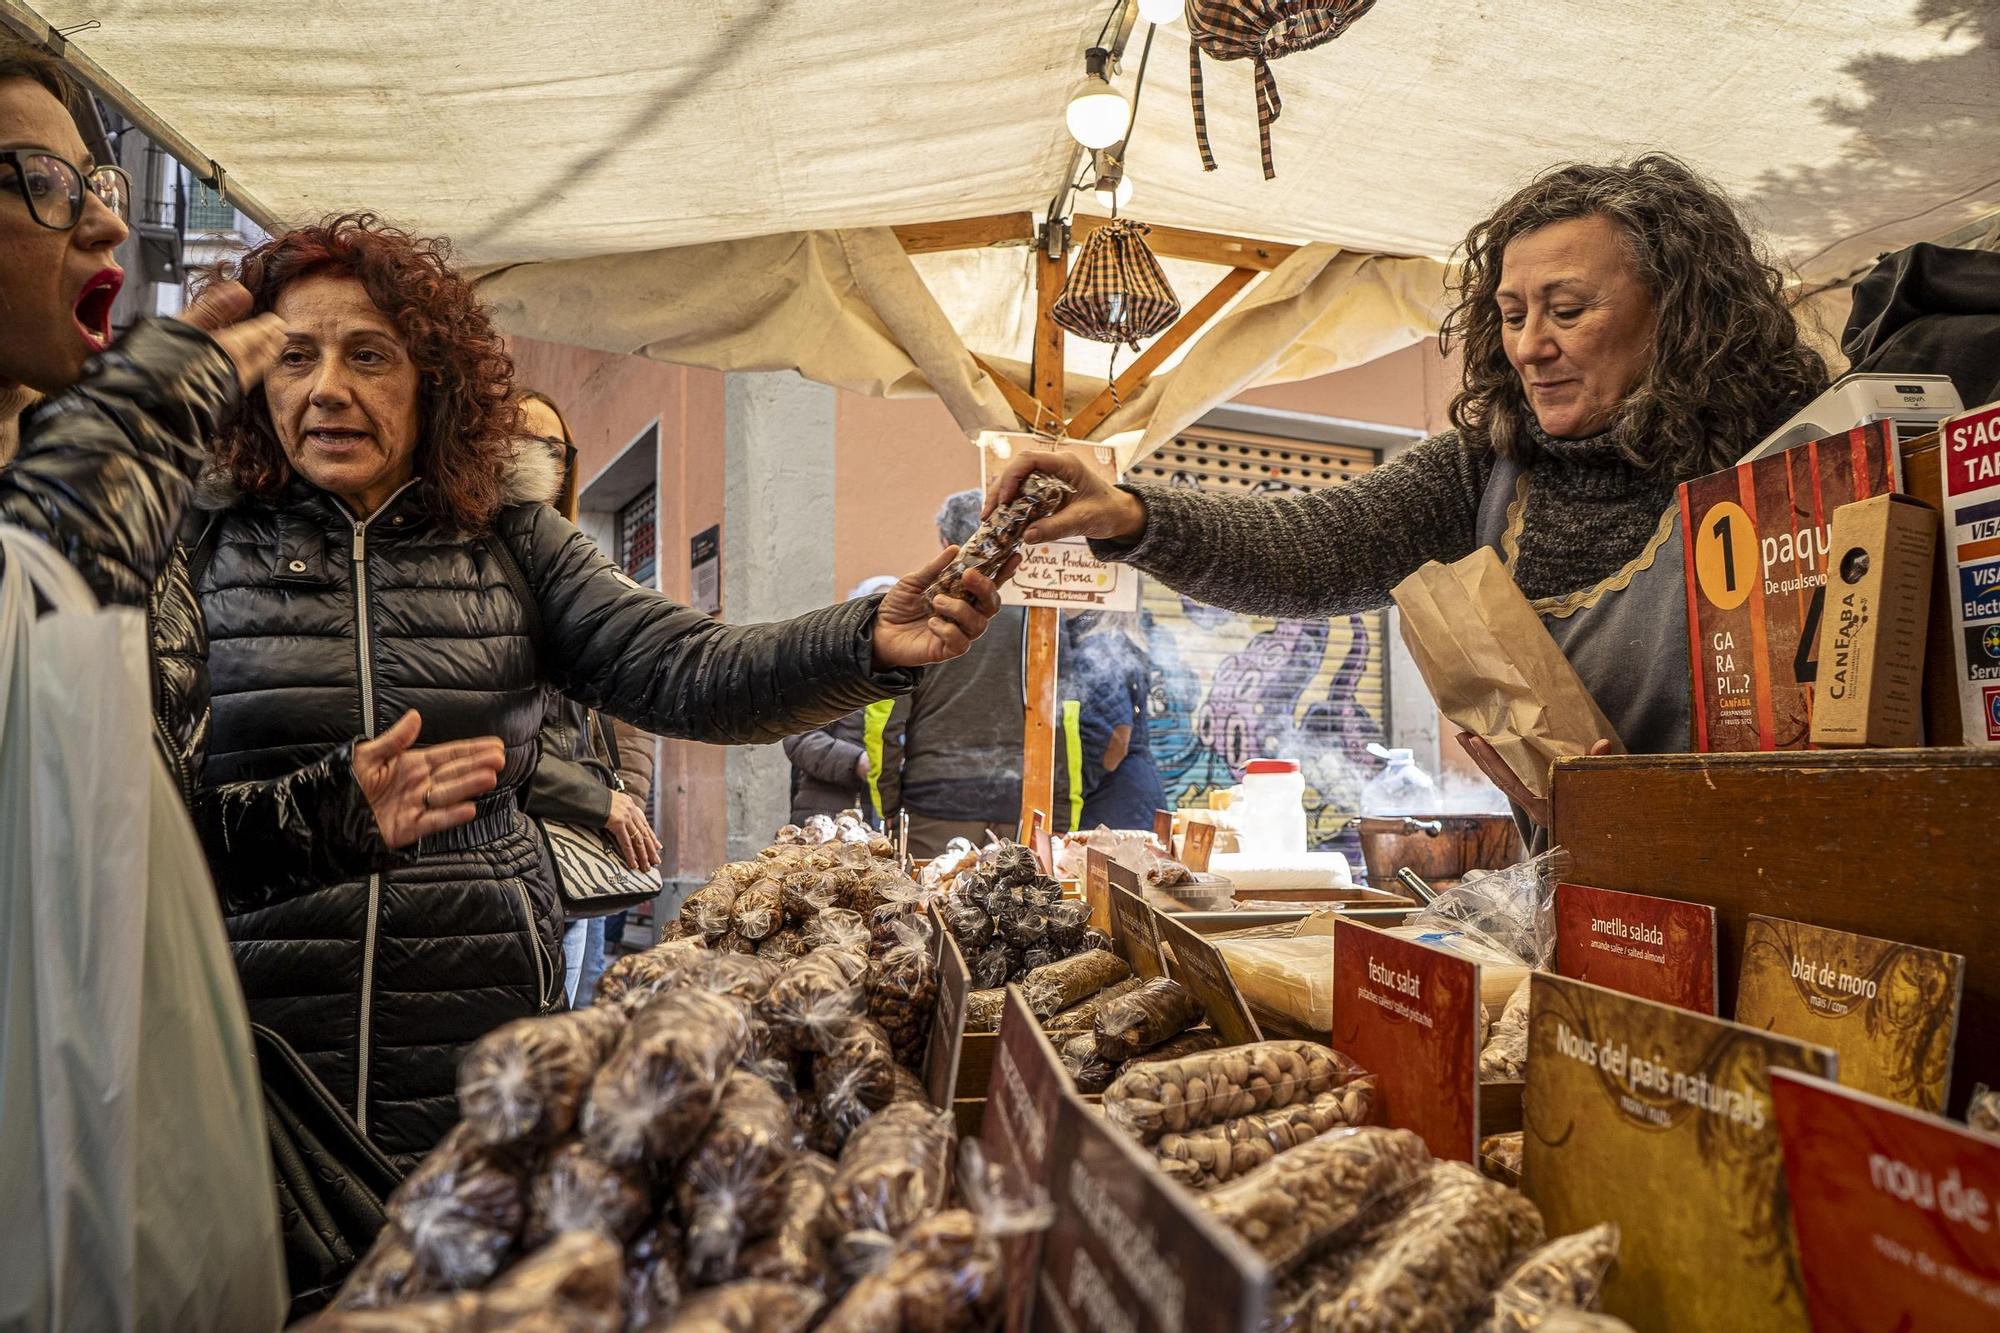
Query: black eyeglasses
[54, 187]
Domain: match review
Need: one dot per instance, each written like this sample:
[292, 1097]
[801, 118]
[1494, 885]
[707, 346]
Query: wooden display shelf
[1891, 843]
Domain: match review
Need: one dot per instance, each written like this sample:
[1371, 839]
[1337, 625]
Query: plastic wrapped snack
[998, 535]
[1024, 924]
[804, 894]
[1510, 911]
[1982, 1113]
[1500, 1157]
[1504, 1059]
[732, 1185]
[967, 921]
[744, 976]
[1581, 1321]
[895, 1169]
[1082, 1016]
[1088, 1069]
[853, 1077]
[573, 1191]
[524, 1081]
[992, 968]
[1055, 987]
[653, 1286]
[820, 829]
[1158, 1009]
[795, 1249]
[1309, 1197]
[758, 910]
[1196, 1090]
[839, 928]
[574, 1283]
[753, 1305]
[655, 1092]
[1067, 922]
[732, 942]
[902, 988]
[1188, 1043]
[944, 1277]
[1430, 1269]
[784, 945]
[710, 908]
[824, 987]
[1568, 1273]
[1093, 938]
[461, 1211]
[387, 1275]
[1204, 1158]
[647, 972]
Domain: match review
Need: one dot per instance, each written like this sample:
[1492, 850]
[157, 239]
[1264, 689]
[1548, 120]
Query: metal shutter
[1229, 688]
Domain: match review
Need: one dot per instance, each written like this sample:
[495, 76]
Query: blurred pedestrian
[840, 766]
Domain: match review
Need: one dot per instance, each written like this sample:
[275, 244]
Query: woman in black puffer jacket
[363, 557]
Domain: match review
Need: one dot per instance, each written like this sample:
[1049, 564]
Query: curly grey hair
[1728, 366]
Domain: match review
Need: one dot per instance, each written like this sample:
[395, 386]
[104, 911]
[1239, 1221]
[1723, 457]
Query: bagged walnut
[821, 989]
[895, 1169]
[944, 1277]
[1504, 1058]
[734, 943]
[853, 1077]
[573, 1191]
[650, 971]
[1067, 922]
[839, 928]
[1093, 938]
[1568, 1273]
[991, 968]
[803, 894]
[524, 1081]
[460, 1211]
[1500, 1157]
[1157, 1010]
[731, 1186]
[1305, 1199]
[653, 1286]
[752, 1305]
[1157, 1096]
[758, 910]
[1058, 985]
[1088, 1069]
[795, 1249]
[902, 988]
[998, 535]
[967, 921]
[1082, 1016]
[710, 908]
[983, 1009]
[1431, 1267]
[1203, 1158]
[784, 945]
[655, 1092]
[744, 976]
[574, 1283]
[387, 1275]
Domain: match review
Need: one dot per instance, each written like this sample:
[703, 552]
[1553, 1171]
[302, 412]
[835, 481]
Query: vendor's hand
[417, 790]
[1495, 768]
[633, 832]
[914, 631]
[1098, 509]
[252, 344]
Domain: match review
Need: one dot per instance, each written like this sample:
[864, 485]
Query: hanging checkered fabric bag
[1116, 293]
[1259, 31]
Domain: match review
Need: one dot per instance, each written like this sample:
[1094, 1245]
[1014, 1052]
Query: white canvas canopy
[707, 180]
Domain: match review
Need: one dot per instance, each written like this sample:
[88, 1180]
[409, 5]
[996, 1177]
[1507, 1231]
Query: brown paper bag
[1493, 668]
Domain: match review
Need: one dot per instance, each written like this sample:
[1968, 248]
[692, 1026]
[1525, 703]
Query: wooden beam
[1205, 247]
[1134, 379]
[1038, 739]
[1024, 403]
[925, 238]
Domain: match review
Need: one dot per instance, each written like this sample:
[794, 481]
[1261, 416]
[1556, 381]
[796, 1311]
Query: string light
[1160, 11]
[1098, 114]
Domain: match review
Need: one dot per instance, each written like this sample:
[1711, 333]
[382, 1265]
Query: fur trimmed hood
[534, 476]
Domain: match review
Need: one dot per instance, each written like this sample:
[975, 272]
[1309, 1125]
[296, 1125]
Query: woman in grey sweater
[1621, 334]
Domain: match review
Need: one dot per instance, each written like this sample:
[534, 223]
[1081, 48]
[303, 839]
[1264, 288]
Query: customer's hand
[1495, 768]
[252, 344]
[417, 790]
[913, 631]
[1098, 509]
[633, 832]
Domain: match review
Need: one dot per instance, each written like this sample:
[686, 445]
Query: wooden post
[1038, 753]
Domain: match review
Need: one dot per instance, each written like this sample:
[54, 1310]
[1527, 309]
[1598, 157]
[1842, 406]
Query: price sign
[1097, 888]
[1163, 829]
[1655, 948]
[1410, 1015]
[947, 1041]
[1200, 966]
[1136, 933]
[1198, 845]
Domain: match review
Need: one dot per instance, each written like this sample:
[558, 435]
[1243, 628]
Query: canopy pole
[26, 23]
[1038, 755]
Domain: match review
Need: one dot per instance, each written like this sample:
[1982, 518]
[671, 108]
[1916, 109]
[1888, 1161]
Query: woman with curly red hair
[373, 546]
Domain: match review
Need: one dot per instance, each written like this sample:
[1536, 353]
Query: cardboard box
[1874, 622]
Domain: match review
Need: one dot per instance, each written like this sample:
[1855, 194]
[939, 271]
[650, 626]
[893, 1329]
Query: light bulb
[1098, 114]
[1159, 11]
[1115, 196]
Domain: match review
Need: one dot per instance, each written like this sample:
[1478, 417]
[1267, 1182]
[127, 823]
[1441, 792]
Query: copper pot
[1441, 848]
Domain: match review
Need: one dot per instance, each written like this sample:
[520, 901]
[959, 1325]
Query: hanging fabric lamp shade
[1259, 31]
[1116, 293]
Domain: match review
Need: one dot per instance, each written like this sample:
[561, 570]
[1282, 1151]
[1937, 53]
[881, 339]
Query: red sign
[1897, 1213]
[1655, 948]
[1972, 451]
[1410, 1015]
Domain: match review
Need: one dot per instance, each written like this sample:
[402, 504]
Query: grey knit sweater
[1338, 551]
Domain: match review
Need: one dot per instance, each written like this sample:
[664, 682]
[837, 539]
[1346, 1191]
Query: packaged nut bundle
[752, 1305]
[1567, 1273]
[387, 1275]
[1307, 1198]
[1432, 1265]
[1093, 938]
[998, 535]
[784, 945]
[1082, 1016]
[967, 921]
[1058, 985]
[1500, 1157]
[983, 1009]
[902, 988]
[839, 928]
[653, 1288]
[652, 970]
[1087, 1067]
[732, 942]
[732, 1185]
[1196, 1090]
[804, 894]
[822, 988]
[895, 1169]
[1203, 1158]
[1188, 1043]
[853, 1077]
[1157, 1010]
[524, 1081]
[574, 1191]
[460, 1211]
[1067, 922]
[572, 1283]
[656, 1090]
[991, 967]
[1581, 1321]
[744, 976]
[709, 909]
[944, 1277]
[795, 1249]
[757, 911]
[1504, 1058]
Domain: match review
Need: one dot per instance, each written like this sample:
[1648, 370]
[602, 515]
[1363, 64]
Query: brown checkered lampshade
[1116, 293]
[1259, 31]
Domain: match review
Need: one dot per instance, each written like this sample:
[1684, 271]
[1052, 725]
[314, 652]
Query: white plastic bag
[135, 1178]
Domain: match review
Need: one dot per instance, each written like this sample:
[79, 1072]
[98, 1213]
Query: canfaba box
[1872, 628]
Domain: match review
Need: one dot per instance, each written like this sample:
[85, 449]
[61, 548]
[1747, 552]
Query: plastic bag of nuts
[1982, 1113]
[745, 976]
[388, 1274]
[1088, 1069]
[650, 971]
[839, 928]
[944, 1277]
[655, 1092]
[653, 1287]
[1217, 1154]
[902, 988]
[895, 1169]
[1137, 1021]
[853, 1077]
[709, 909]
[524, 1081]
[732, 1186]
[460, 1211]
[1500, 1157]
[1302, 1200]
[573, 1191]
[784, 945]
[570, 1284]
[758, 910]
[824, 987]
[751, 1305]
[1504, 1058]
[1082, 1016]
[795, 1249]
[983, 1009]
[1157, 1096]
[1188, 1043]
[1055, 987]
[1568, 1273]
[999, 533]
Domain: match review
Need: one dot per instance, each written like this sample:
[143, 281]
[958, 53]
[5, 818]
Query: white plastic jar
[1274, 820]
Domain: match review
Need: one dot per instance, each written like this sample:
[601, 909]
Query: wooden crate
[1891, 843]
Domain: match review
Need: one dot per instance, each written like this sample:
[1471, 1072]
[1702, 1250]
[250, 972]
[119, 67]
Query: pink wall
[895, 460]
[1388, 390]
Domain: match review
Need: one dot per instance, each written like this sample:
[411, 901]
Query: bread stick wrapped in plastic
[1157, 1096]
[902, 988]
[732, 1186]
[895, 1169]
[573, 1191]
[1082, 1016]
[1053, 988]
[1308, 1198]
[648, 972]
[998, 535]
[795, 1249]
[653, 1285]
[654, 1094]
[1157, 1010]
[461, 1211]
[524, 1081]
